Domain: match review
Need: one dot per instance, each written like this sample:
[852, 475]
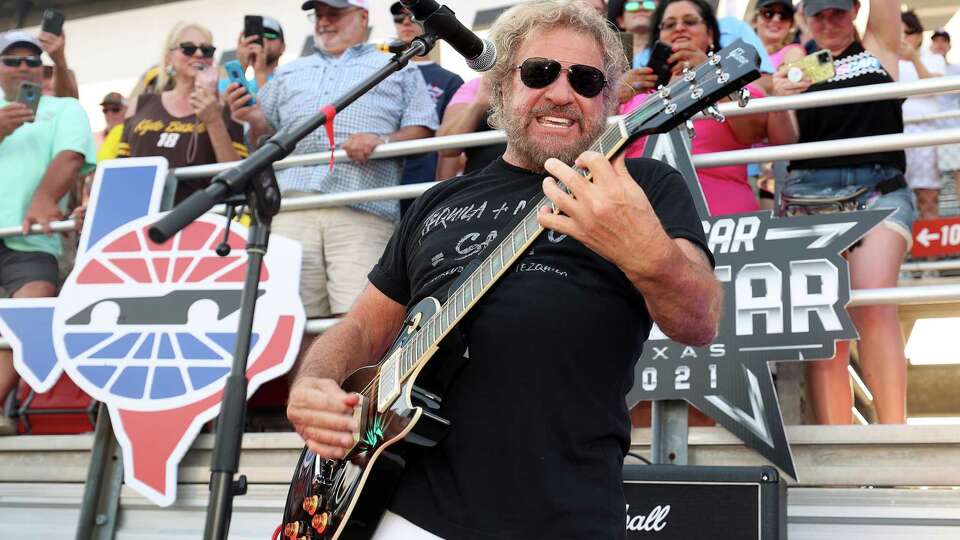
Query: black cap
[397, 8]
[941, 32]
[339, 4]
[785, 3]
[812, 7]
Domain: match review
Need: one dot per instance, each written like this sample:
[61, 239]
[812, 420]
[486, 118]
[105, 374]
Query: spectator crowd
[186, 109]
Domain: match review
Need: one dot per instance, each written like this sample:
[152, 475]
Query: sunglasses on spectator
[189, 49]
[401, 18]
[587, 81]
[648, 5]
[688, 22]
[113, 110]
[331, 15]
[768, 14]
[15, 61]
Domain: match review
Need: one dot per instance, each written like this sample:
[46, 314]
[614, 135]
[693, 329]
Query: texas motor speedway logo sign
[149, 329]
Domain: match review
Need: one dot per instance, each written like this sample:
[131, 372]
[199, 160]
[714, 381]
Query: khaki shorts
[340, 247]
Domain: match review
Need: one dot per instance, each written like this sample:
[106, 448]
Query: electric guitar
[345, 498]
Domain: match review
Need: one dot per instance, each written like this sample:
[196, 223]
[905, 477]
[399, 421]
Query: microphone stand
[252, 182]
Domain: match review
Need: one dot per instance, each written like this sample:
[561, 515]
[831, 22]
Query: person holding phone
[690, 29]
[261, 51]
[187, 124]
[861, 59]
[53, 41]
[42, 156]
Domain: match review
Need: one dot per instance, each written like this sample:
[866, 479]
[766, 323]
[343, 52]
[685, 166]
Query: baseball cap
[339, 4]
[18, 37]
[785, 3]
[397, 8]
[273, 25]
[812, 7]
[941, 32]
[113, 98]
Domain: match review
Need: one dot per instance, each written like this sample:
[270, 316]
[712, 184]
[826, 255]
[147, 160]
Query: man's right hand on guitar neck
[322, 413]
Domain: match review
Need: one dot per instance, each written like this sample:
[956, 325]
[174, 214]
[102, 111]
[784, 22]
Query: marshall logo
[786, 285]
[654, 521]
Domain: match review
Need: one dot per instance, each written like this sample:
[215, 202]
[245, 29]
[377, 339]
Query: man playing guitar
[539, 425]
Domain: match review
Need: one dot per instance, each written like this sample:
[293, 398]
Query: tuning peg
[663, 91]
[743, 97]
[689, 75]
[722, 77]
[713, 112]
[670, 108]
[691, 132]
[714, 58]
[696, 92]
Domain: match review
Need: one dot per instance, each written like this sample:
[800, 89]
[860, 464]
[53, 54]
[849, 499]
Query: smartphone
[660, 52]
[626, 40]
[235, 75]
[253, 26]
[817, 67]
[52, 22]
[29, 94]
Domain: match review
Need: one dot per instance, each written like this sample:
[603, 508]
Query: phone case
[52, 22]
[29, 94]
[817, 67]
[253, 26]
[659, 54]
[235, 75]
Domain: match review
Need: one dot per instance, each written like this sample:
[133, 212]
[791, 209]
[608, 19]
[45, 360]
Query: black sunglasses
[111, 110]
[398, 19]
[587, 81]
[189, 48]
[15, 61]
[769, 14]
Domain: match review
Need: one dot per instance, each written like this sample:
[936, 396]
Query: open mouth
[555, 122]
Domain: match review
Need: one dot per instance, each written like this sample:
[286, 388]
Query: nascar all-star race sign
[149, 329]
[786, 286]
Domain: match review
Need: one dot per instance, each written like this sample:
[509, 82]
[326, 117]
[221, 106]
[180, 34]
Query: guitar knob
[310, 504]
[291, 530]
[320, 521]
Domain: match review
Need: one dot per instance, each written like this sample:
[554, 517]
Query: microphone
[440, 20]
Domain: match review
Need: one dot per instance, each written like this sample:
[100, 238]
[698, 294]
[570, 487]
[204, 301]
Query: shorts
[17, 268]
[922, 170]
[340, 247]
[948, 158]
[829, 180]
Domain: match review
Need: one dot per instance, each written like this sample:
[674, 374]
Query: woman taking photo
[690, 28]
[870, 59]
[186, 124]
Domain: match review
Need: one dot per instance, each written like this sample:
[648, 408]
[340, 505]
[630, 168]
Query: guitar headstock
[725, 72]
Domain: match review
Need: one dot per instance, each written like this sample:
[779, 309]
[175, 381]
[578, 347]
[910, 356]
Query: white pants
[394, 527]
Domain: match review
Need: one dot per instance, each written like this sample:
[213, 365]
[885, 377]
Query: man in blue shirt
[340, 244]
[441, 85]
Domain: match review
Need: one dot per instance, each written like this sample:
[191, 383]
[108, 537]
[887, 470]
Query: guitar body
[345, 498]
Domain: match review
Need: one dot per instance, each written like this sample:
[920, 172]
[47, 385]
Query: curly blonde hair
[520, 22]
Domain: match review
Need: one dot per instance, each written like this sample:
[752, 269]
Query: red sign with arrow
[935, 237]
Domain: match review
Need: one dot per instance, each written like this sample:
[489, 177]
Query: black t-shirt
[539, 420]
[478, 157]
[854, 67]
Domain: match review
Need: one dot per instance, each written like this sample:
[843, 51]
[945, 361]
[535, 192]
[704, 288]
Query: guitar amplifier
[705, 503]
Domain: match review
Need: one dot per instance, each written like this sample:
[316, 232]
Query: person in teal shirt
[42, 156]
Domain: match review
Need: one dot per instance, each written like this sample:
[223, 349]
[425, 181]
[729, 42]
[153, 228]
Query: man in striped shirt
[340, 244]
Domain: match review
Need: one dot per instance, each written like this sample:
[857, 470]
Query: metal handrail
[761, 105]
[923, 294]
[840, 147]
